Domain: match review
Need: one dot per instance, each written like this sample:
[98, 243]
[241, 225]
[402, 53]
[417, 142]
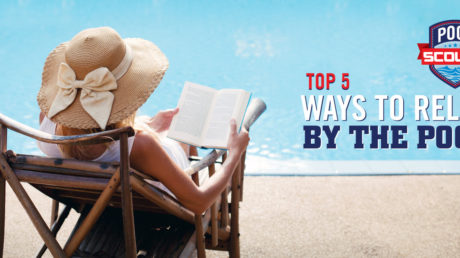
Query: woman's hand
[162, 120]
[237, 142]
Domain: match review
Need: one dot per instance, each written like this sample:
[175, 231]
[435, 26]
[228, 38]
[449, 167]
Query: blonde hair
[79, 151]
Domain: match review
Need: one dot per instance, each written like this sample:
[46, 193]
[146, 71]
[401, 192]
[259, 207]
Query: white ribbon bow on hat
[95, 96]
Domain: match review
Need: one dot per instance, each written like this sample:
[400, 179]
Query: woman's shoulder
[147, 153]
[145, 142]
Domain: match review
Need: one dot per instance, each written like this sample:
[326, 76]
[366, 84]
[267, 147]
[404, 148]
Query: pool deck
[383, 216]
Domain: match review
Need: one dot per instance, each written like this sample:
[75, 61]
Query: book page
[194, 105]
[226, 106]
[240, 109]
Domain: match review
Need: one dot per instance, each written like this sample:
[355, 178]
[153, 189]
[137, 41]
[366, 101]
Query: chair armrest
[100, 137]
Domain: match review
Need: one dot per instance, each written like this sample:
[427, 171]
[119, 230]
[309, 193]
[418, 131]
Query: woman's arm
[148, 156]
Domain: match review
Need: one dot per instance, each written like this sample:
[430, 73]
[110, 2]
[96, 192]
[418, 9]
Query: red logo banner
[438, 56]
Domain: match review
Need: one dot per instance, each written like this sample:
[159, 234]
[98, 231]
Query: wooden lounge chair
[110, 194]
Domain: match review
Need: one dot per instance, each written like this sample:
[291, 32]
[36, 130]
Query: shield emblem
[446, 35]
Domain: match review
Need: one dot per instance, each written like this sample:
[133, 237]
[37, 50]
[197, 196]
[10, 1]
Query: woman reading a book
[97, 81]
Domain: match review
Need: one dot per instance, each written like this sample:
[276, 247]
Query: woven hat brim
[134, 88]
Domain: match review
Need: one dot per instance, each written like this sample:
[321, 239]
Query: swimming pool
[263, 47]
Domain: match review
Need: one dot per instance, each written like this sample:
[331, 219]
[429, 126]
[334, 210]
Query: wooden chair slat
[41, 178]
[243, 167]
[224, 235]
[56, 225]
[3, 141]
[61, 171]
[191, 244]
[234, 222]
[71, 164]
[54, 211]
[93, 215]
[200, 246]
[127, 199]
[224, 204]
[214, 227]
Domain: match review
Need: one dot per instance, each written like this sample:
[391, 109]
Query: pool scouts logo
[442, 53]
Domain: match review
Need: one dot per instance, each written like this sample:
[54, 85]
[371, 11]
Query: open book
[205, 113]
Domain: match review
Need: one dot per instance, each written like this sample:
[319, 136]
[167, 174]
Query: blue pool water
[451, 73]
[265, 47]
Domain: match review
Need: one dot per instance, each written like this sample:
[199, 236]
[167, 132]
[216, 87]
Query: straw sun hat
[98, 78]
